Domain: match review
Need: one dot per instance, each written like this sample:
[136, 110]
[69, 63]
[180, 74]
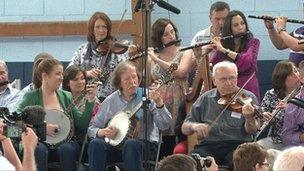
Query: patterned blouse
[173, 93]
[268, 104]
[94, 61]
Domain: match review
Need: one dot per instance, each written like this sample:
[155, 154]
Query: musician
[87, 57]
[48, 76]
[163, 32]
[285, 79]
[219, 138]
[31, 86]
[251, 157]
[218, 13]
[9, 96]
[75, 81]
[126, 79]
[281, 39]
[293, 125]
[243, 50]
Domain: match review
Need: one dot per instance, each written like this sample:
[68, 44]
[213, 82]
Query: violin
[108, 46]
[235, 102]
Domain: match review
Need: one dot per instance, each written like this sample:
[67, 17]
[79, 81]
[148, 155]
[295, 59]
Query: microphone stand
[146, 7]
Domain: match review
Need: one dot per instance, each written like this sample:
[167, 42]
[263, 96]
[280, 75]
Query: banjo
[66, 127]
[126, 122]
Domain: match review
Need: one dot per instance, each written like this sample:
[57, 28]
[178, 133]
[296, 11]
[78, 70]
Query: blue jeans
[68, 153]
[100, 152]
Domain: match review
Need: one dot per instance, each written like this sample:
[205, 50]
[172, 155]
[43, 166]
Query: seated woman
[47, 77]
[285, 78]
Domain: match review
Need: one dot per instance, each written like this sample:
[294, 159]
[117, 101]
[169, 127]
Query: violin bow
[232, 99]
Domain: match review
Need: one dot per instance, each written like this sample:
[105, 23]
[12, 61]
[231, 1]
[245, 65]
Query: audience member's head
[250, 157]
[272, 155]
[177, 162]
[290, 159]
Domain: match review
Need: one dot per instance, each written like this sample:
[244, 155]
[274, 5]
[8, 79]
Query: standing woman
[92, 60]
[285, 79]
[163, 32]
[47, 77]
[243, 50]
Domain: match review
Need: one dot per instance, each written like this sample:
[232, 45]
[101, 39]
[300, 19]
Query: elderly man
[9, 96]
[220, 130]
[126, 79]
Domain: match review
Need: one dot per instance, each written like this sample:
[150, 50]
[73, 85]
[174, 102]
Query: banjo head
[64, 122]
[121, 122]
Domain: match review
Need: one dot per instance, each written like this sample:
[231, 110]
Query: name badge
[236, 115]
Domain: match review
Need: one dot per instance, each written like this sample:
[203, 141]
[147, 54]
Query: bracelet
[270, 28]
[281, 29]
[159, 107]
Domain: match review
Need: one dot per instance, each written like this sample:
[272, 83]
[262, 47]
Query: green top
[81, 120]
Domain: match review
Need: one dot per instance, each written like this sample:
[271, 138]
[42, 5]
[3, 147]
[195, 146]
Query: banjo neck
[130, 113]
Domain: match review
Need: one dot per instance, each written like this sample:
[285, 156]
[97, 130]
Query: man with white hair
[9, 96]
[290, 159]
[219, 130]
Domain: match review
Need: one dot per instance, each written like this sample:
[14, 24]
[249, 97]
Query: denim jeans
[68, 153]
[100, 152]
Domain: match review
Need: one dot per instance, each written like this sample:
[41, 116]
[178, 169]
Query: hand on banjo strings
[52, 130]
[110, 132]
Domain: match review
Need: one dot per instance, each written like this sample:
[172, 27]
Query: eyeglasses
[225, 79]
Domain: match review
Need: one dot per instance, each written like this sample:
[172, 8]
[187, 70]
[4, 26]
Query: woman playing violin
[285, 79]
[92, 58]
[163, 32]
[243, 51]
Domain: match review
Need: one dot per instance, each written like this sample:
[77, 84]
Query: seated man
[251, 157]
[126, 79]
[221, 131]
[9, 96]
